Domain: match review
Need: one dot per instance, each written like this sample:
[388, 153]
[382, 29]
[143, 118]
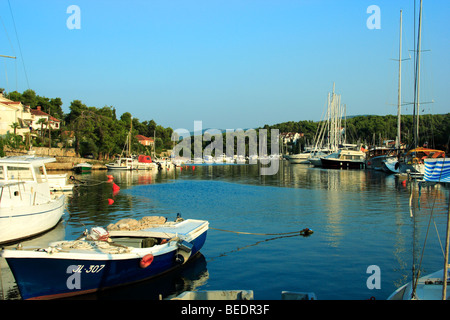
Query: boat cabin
[24, 169]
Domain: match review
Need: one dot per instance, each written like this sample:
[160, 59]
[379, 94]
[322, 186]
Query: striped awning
[437, 170]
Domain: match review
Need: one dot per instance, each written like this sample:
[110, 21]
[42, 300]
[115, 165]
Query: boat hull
[52, 277]
[341, 164]
[17, 223]
[301, 158]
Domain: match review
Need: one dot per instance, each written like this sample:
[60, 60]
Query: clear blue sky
[232, 64]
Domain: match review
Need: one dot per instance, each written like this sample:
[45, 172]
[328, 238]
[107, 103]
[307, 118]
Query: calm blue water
[359, 218]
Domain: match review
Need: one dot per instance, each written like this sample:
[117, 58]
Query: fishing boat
[345, 159]
[104, 259]
[122, 163]
[27, 207]
[84, 167]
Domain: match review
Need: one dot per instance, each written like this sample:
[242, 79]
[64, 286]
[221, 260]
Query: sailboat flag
[437, 170]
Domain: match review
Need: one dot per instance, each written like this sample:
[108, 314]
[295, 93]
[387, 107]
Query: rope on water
[304, 232]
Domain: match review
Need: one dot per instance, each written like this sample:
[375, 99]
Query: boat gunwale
[87, 254]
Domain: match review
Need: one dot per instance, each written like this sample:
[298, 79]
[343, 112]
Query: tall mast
[417, 87]
[399, 101]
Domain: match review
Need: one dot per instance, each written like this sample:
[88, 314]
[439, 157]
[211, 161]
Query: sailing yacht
[414, 159]
[329, 134]
[432, 286]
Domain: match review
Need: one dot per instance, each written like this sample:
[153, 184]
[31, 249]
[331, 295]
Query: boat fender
[146, 261]
[183, 252]
[181, 257]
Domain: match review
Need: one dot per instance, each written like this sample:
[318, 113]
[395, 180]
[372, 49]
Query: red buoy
[146, 261]
[110, 201]
[115, 187]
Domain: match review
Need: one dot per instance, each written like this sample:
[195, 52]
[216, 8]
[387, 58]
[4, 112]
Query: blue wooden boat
[115, 258]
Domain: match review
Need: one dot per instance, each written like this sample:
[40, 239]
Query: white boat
[315, 157]
[208, 159]
[428, 287]
[197, 160]
[59, 182]
[240, 159]
[122, 163]
[27, 207]
[299, 158]
[253, 158]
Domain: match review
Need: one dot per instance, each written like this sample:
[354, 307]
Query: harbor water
[363, 246]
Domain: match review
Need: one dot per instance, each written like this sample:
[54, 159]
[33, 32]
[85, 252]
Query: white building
[14, 112]
[37, 114]
[27, 119]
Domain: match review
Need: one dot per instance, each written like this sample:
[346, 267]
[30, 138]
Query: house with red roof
[145, 141]
[37, 114]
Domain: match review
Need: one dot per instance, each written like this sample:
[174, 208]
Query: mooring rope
[302, 232]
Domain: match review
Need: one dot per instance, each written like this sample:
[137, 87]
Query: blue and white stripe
[437, 170]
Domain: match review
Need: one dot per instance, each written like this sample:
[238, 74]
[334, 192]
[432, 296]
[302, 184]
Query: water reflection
[360, 218]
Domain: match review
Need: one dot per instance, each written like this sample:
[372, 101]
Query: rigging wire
[416, 279]
[20, 48]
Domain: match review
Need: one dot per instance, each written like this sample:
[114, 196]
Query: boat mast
[445, 276]
[417, 80]
[399, 101]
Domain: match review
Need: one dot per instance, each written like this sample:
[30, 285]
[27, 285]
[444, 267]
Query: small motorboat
[82, 167]
[104, 259]
[27, 206]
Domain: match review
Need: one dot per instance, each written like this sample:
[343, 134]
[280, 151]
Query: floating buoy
[306, 232]
[146, 261]
[115, 187]
[193, 168]
[110, 178]
[404, 183]
[110, 201]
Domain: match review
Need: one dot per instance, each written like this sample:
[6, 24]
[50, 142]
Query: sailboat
[432, 286]
[414, 158]
[124, 163]
[388, 161]
[127, 162]
[330, 130]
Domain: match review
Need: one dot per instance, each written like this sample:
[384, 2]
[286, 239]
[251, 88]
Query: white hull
[27, 207]
[58, 182]
[428, 287]
[301, 158]
[26, 221]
